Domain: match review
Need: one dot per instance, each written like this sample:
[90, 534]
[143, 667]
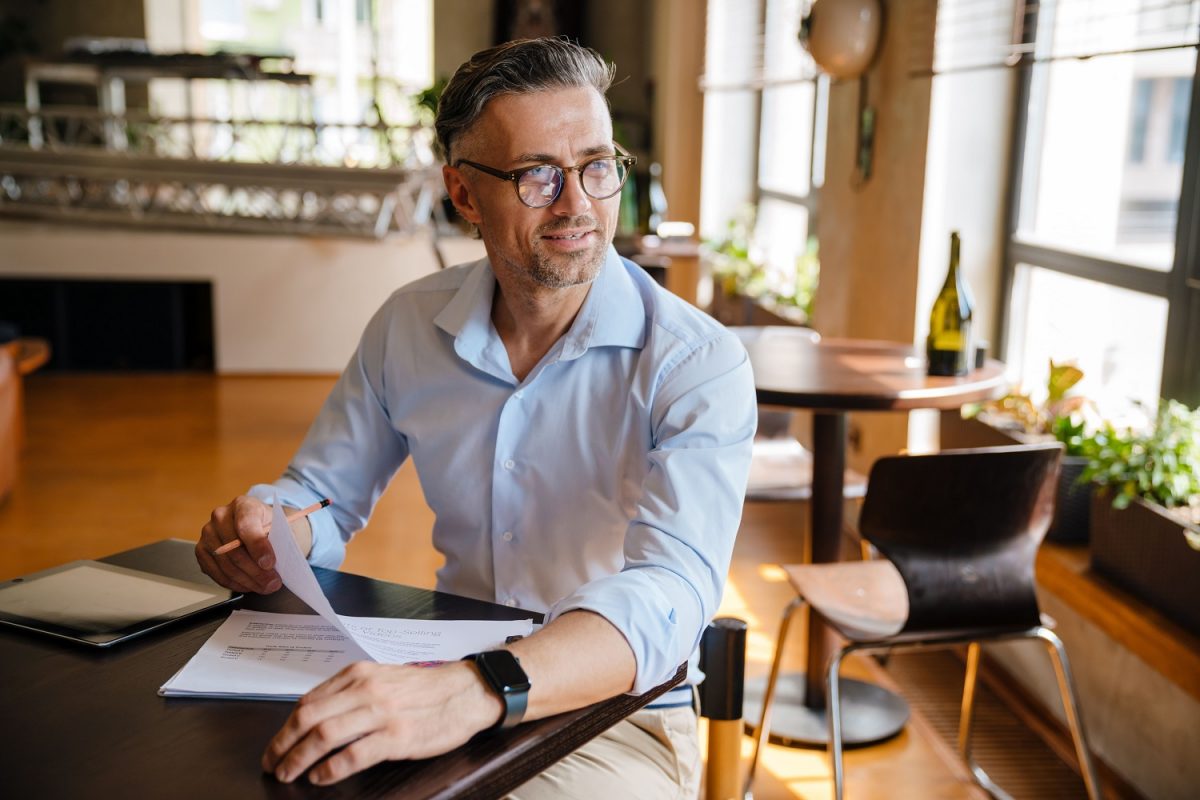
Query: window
[1141, 115]
[764, 124]
[1179, 113]
[393, 38]
[1097, 258]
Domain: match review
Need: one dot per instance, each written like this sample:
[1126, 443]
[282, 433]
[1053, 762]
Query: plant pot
[1143, 550]
[1072, 504]
[740, 309]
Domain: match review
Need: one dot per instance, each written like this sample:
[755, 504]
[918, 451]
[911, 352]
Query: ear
[460, 194]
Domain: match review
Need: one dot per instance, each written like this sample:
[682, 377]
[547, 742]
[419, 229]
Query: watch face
[505, 669]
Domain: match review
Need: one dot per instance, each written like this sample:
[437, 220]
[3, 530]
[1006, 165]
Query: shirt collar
[468, 318]
[612, 315]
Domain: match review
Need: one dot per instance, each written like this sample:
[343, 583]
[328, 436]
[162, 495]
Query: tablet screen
[100, 603]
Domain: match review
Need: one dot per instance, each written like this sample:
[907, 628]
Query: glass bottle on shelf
[657, 200]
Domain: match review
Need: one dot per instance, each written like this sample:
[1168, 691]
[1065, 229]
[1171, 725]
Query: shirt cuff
[662, 632]
[328, 548]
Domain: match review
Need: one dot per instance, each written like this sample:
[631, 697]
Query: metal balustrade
[212, 174]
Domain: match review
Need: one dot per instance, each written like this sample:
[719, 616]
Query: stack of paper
[264, 656]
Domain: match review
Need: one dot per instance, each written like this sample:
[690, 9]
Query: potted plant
[748, 291]
[1146, 515]
[1060, 417]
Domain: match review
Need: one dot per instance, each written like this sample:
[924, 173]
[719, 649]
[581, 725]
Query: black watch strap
[502, 671]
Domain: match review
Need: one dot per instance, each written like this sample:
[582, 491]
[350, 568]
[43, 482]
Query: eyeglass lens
[541, 186]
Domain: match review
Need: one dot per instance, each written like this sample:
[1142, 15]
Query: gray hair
[522, 66]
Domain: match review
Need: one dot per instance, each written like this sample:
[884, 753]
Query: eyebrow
[546, 158]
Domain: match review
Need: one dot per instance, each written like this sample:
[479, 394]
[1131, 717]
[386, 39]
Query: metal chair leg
[965, 720]
[833, 714]
[763, 729]
[1066, 689]
[968, 701]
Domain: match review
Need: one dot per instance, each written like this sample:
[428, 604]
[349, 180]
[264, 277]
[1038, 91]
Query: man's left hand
[380, 712]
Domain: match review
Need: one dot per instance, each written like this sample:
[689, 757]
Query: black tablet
[100, 604]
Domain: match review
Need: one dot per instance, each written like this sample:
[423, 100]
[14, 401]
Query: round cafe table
[832, 377]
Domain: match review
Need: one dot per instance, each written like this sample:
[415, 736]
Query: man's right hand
[249, 568]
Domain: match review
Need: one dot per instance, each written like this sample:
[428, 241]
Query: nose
[572, 200]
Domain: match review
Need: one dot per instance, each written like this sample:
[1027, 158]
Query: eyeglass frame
[622, 156]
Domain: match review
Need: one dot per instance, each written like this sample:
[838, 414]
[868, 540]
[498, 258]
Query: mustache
[571, 223]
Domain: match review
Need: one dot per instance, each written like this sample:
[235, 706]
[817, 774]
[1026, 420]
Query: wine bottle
[627, 214]
[949, 344]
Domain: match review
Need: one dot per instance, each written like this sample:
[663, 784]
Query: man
[582, 436]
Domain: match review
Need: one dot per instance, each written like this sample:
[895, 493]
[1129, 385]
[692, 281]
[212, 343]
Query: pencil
[301, 514]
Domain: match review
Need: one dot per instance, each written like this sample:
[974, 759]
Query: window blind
[983, 34]
[754, 44]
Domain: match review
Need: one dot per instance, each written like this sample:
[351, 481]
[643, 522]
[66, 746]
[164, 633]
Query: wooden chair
[18, 357]
[959, 531]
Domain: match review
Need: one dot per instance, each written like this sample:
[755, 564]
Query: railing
[212, 174]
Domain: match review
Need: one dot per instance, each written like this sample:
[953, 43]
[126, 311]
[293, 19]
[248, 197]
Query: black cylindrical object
[723, 661]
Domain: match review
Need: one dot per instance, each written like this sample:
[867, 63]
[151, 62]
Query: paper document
[261, 655]
[256, 655]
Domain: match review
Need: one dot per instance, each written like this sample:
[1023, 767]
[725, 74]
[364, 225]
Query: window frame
[1180, 286]
[757, 87]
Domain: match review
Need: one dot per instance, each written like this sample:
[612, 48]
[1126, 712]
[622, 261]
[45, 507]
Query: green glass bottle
[949, 344]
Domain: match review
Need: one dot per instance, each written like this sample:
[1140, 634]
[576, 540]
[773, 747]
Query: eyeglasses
[540, 185]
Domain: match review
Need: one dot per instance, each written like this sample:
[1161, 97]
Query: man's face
[565, 243]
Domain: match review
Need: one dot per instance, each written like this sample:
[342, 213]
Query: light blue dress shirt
[610, 479]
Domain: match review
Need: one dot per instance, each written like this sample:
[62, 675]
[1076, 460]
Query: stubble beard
[563, 270]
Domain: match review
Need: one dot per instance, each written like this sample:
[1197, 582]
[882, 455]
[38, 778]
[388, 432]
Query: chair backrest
[963, 528]
[9, 418]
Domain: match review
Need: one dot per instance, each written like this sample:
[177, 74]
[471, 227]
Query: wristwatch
[501, 670]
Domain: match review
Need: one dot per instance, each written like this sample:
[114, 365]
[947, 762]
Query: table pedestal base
[870, 713]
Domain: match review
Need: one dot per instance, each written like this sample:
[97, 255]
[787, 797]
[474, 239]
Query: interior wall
[677, 46]
[50, 23]
[620, 30]
[966, 190]
[461, 28]
[1139, 722]
[281, 304]
[870, 231]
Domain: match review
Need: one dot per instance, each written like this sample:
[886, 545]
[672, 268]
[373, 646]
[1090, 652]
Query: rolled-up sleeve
[680, 540]
[349, 454]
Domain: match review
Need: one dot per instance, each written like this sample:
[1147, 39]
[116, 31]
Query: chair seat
[781, 470]
[864, 600]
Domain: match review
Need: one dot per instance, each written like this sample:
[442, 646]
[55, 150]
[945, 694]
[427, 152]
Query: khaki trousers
[653, 754]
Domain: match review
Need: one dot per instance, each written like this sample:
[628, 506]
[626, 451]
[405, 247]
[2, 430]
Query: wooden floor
[113, 462]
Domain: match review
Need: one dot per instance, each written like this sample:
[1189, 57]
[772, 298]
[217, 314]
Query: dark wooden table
[84, 722]
[832, 377]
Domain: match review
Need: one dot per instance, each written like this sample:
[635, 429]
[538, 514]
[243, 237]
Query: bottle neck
[952, 277]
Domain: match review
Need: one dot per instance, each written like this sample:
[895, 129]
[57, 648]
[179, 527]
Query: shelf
[1064, 571]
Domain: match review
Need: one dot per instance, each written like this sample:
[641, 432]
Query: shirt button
[519, 393]
[507, 536]
[509, 464]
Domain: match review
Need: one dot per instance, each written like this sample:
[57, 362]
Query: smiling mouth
[566, 236]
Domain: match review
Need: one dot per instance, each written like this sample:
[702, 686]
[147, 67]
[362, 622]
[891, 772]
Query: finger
[252, 520]
[230, 525]
[355, 757]
[239, 563]
[212, 567]
[307, 714]
[326, 737]
[238, 566]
